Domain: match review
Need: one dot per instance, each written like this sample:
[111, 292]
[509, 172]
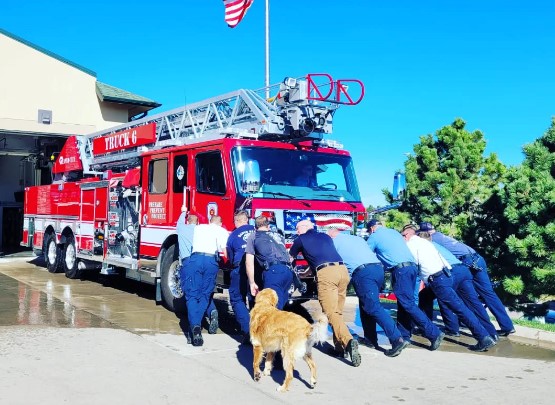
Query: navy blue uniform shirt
[316, 247]
[236, 243]
[267, 247]
[451, 244]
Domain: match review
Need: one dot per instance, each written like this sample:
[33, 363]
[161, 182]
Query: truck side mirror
[399, 186]
[250, 182]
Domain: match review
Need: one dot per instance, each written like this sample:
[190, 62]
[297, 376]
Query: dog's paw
[267, 371]
[281, 388]
[257, 376]
[312, 383]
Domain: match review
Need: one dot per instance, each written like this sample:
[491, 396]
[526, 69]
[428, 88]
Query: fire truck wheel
[170, 283]
[70, 259]
[52, 254]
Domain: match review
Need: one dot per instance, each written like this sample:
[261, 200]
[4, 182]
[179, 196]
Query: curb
[534, 337]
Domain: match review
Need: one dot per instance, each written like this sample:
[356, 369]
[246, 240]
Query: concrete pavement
[523, 334]
[72, 341]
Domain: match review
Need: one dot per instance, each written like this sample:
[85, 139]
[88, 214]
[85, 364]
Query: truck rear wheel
[52, 253]
[172, 295]
[70, 261]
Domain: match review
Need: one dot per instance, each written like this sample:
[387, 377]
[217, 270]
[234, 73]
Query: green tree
[449, 178]
[529, 200]
[396, 219]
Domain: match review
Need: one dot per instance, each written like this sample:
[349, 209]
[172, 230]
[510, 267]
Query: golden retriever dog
[273, 330]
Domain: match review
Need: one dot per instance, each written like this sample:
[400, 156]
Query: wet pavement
[104, 340]
[30, 295]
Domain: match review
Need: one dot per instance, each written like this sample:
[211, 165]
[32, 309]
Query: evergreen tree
[529, 200]
[396, 219]
[448, 178]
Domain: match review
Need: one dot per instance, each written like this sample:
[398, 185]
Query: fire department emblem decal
[212, 209]
[180, 173]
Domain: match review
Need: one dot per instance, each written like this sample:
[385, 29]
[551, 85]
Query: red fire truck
[117, 194]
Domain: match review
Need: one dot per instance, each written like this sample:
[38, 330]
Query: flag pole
[267, 79]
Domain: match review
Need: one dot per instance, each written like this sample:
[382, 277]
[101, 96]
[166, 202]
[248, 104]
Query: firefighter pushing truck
[117, 194]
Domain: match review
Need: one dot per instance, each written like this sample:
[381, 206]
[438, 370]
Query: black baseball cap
[426, 227]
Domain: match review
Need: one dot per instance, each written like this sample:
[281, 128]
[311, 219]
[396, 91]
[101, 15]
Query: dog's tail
[319, 332]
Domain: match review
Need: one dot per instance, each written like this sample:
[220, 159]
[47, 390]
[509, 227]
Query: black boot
[396, 348]
[213, 322]
[437, 341]
[483, 345]
[352, 351]
[197, 336]
[506, 333]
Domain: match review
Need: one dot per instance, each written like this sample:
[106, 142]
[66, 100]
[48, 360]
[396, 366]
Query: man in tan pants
[333, 278]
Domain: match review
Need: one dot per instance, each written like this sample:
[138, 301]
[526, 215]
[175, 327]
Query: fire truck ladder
[292, 114]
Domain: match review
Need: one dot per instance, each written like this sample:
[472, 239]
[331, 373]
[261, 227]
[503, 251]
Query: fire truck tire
[52, 254]
[70, 261]
[172, 295]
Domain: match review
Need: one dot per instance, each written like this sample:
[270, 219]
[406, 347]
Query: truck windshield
[286, 174]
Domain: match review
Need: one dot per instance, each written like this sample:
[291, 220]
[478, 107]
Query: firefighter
[272, 259]
[306, 177]
[238, 286]
[209, 241]
[435, 271]
[479, 269]
[393, 252]
[367, 277]
[463, 286]
[333, 278]
[185, 228]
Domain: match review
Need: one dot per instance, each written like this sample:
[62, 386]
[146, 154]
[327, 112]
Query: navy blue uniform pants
[238, 292]
[279, 277]
[404, 281]
[367, 282]
[463, 286]
[442, 286]
[483, 287]
[198, 285]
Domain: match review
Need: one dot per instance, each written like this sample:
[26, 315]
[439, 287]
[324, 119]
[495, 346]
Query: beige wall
[31, 80]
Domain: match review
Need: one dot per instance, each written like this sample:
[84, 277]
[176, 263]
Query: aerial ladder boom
[293, 114]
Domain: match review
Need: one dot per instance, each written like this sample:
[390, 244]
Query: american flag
[235, 10]
[323, 221]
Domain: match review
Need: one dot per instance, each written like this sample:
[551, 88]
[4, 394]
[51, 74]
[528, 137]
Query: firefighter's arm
[249, 262]
[295, 249]
[222, 244]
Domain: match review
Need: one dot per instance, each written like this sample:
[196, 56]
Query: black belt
[467, 256]
[363, 266]
[267, 265]
[321, 266]
[204, 254]
[439, 273]
[401, 265]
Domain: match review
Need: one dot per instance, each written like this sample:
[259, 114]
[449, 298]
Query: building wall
[31, 80]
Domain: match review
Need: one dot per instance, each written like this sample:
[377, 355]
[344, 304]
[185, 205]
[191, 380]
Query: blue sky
[423, 63]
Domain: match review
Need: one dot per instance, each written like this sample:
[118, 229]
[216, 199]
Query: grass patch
[550, 327]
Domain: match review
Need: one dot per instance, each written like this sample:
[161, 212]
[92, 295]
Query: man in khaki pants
[333, 278]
